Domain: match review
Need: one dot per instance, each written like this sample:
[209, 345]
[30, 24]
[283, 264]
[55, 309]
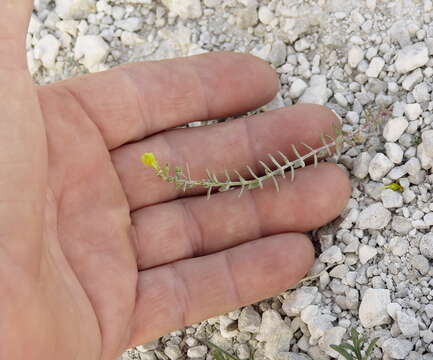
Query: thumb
[23, 158]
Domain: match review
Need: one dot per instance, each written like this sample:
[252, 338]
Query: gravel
[366, 60]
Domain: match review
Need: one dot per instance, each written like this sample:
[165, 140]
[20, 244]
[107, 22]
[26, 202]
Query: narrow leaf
[342, 352]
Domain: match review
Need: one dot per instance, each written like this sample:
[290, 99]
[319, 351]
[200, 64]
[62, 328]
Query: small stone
[411, 57]
[265, 15]
[408, 325]
[394, 152]
[355, 55]
[426, 245]
[299, 300]
[197, 351]
[375, 217]
[278, 53]
[412, 111]
[173, 352]
[366, 253]
[131, 24]
[361, 164]
[186, 9]
[427, 142]
[279, 341]
[297, 88]
[379, 166]
[429, 310]
[249, 320]
[397, 348]
[333, 336]
[391, 199]
[420, 263]
[271, 320]
[401, 225]
[372, 311]
[398, 32]
[375, 67]
[412, 79]
[317, 92]
[421, 92]
[413, 166]
[428, 219]
[47, 50]
[332, 255]
[394, 128]
[94, 50]
[398, 246]
[393, 309]
[74, 9]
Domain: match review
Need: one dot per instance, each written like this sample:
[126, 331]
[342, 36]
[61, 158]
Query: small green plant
[395, 186]
[354, 351]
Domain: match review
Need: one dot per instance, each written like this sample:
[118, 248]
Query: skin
[97, 254]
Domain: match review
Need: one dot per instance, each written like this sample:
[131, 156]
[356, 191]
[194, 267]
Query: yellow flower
[149, 159]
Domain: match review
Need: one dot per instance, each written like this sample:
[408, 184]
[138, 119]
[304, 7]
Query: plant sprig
[279, 168]
[354, 351]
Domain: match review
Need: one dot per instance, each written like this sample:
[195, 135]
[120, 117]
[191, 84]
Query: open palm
[96, 253]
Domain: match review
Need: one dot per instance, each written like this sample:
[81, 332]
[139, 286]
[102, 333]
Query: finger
[14, 17]
[23, 149]
[196, 226]
[185, 292]
[231, 145]
[137, 100]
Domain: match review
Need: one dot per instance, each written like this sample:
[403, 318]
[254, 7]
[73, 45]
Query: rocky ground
[365, 59]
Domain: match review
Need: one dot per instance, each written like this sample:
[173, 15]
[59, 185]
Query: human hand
[96, 253]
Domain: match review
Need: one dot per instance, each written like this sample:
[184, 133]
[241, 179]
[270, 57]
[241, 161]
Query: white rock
[394, 152]
[397, 348]
[265, 15]
[428, 219]
[278, 53]
[425, 160]
[375, 217]
[391, 199]
[75, 9]
[375, 67]
[32, 63]
[413, 166]
[355, 55]
[408, 325]
[413, 78]
[427, 142]
[130, 24]
[197, 351]
[393, 309]
[379, 166]
[173, 352]
[412, 111]
[398, 246]
[411, 57]
[361, 164]
[332, 255]
[279, 341]
[317, 92]
[249, 320]
[297, 88]
[398, 32]
[426, 245]
[47, 50]
[332, 336]
[94, 50]
[366, 253]
[429, 310]
[394, 128]
[35, 25]
[271, 320]
[186, 9]
[299, 300]
[420, 263]
[373, 308]
[421, 92]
